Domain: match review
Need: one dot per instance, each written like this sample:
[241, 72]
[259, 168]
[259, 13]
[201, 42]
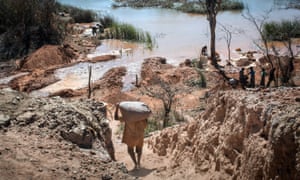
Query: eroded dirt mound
[241, 135]
[47, 56]
[41, 138]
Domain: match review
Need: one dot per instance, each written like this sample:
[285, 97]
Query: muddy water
[178, 36]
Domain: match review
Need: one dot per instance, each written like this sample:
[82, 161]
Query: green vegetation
[231, 5]
[282, 31]
[184, 6]
[107, 21]
[193, 7]
[126, 31]
[154, 123]
[78, 15]
[201, 81]
[27, 25]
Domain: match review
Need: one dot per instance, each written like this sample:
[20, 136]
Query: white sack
[134, 110]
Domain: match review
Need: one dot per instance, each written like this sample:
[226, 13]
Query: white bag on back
[134, 110]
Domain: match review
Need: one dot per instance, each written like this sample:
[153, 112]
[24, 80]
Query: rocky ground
[53, 138]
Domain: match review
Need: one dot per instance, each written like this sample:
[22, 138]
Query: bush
[155, 122]
[232, 5]
[192, 8]
[282, 31]
[185, 6]
[79, 15]
[152, 125]
[27, 25]
[107, 21]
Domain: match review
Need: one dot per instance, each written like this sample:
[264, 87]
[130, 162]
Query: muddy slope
[241, 135]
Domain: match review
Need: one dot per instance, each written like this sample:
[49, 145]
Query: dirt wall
[241, 135]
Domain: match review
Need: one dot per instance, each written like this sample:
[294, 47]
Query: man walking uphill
[135, 115]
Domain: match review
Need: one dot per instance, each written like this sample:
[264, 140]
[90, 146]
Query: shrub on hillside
[27, 25]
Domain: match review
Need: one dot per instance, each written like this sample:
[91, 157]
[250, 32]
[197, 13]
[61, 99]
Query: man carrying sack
[134, 114]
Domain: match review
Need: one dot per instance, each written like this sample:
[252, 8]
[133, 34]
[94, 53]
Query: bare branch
[165, 93]
[258, 24]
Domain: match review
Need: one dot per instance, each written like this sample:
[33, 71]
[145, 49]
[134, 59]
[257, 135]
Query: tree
[212, 8]
[166, 94]
[228, 32]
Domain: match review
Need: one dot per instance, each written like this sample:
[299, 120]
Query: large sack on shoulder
[134, 110]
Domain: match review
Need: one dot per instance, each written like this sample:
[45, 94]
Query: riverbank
[184, 6]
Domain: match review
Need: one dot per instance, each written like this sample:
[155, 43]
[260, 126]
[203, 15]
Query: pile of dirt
[47, 56]
[55, 138]
[240, 135]
[37, 79]
[157, 68]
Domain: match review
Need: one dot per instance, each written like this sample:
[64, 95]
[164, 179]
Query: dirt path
[151, 163]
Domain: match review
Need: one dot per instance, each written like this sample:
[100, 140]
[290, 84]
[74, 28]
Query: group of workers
[243, 78]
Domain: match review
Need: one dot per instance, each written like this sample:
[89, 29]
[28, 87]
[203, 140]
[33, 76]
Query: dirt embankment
[49, 56]
[240, 135]
[41, 138]
[41, 64]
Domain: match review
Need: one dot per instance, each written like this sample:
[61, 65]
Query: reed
[125, 31]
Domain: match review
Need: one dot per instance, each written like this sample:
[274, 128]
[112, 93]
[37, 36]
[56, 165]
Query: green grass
[184, 6]
[125, 31]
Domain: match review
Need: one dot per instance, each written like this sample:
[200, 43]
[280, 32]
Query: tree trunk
[229, 54]
[167, 106]
[212, 10]
[212, 24]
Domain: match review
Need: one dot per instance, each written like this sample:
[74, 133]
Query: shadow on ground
[142, 172]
